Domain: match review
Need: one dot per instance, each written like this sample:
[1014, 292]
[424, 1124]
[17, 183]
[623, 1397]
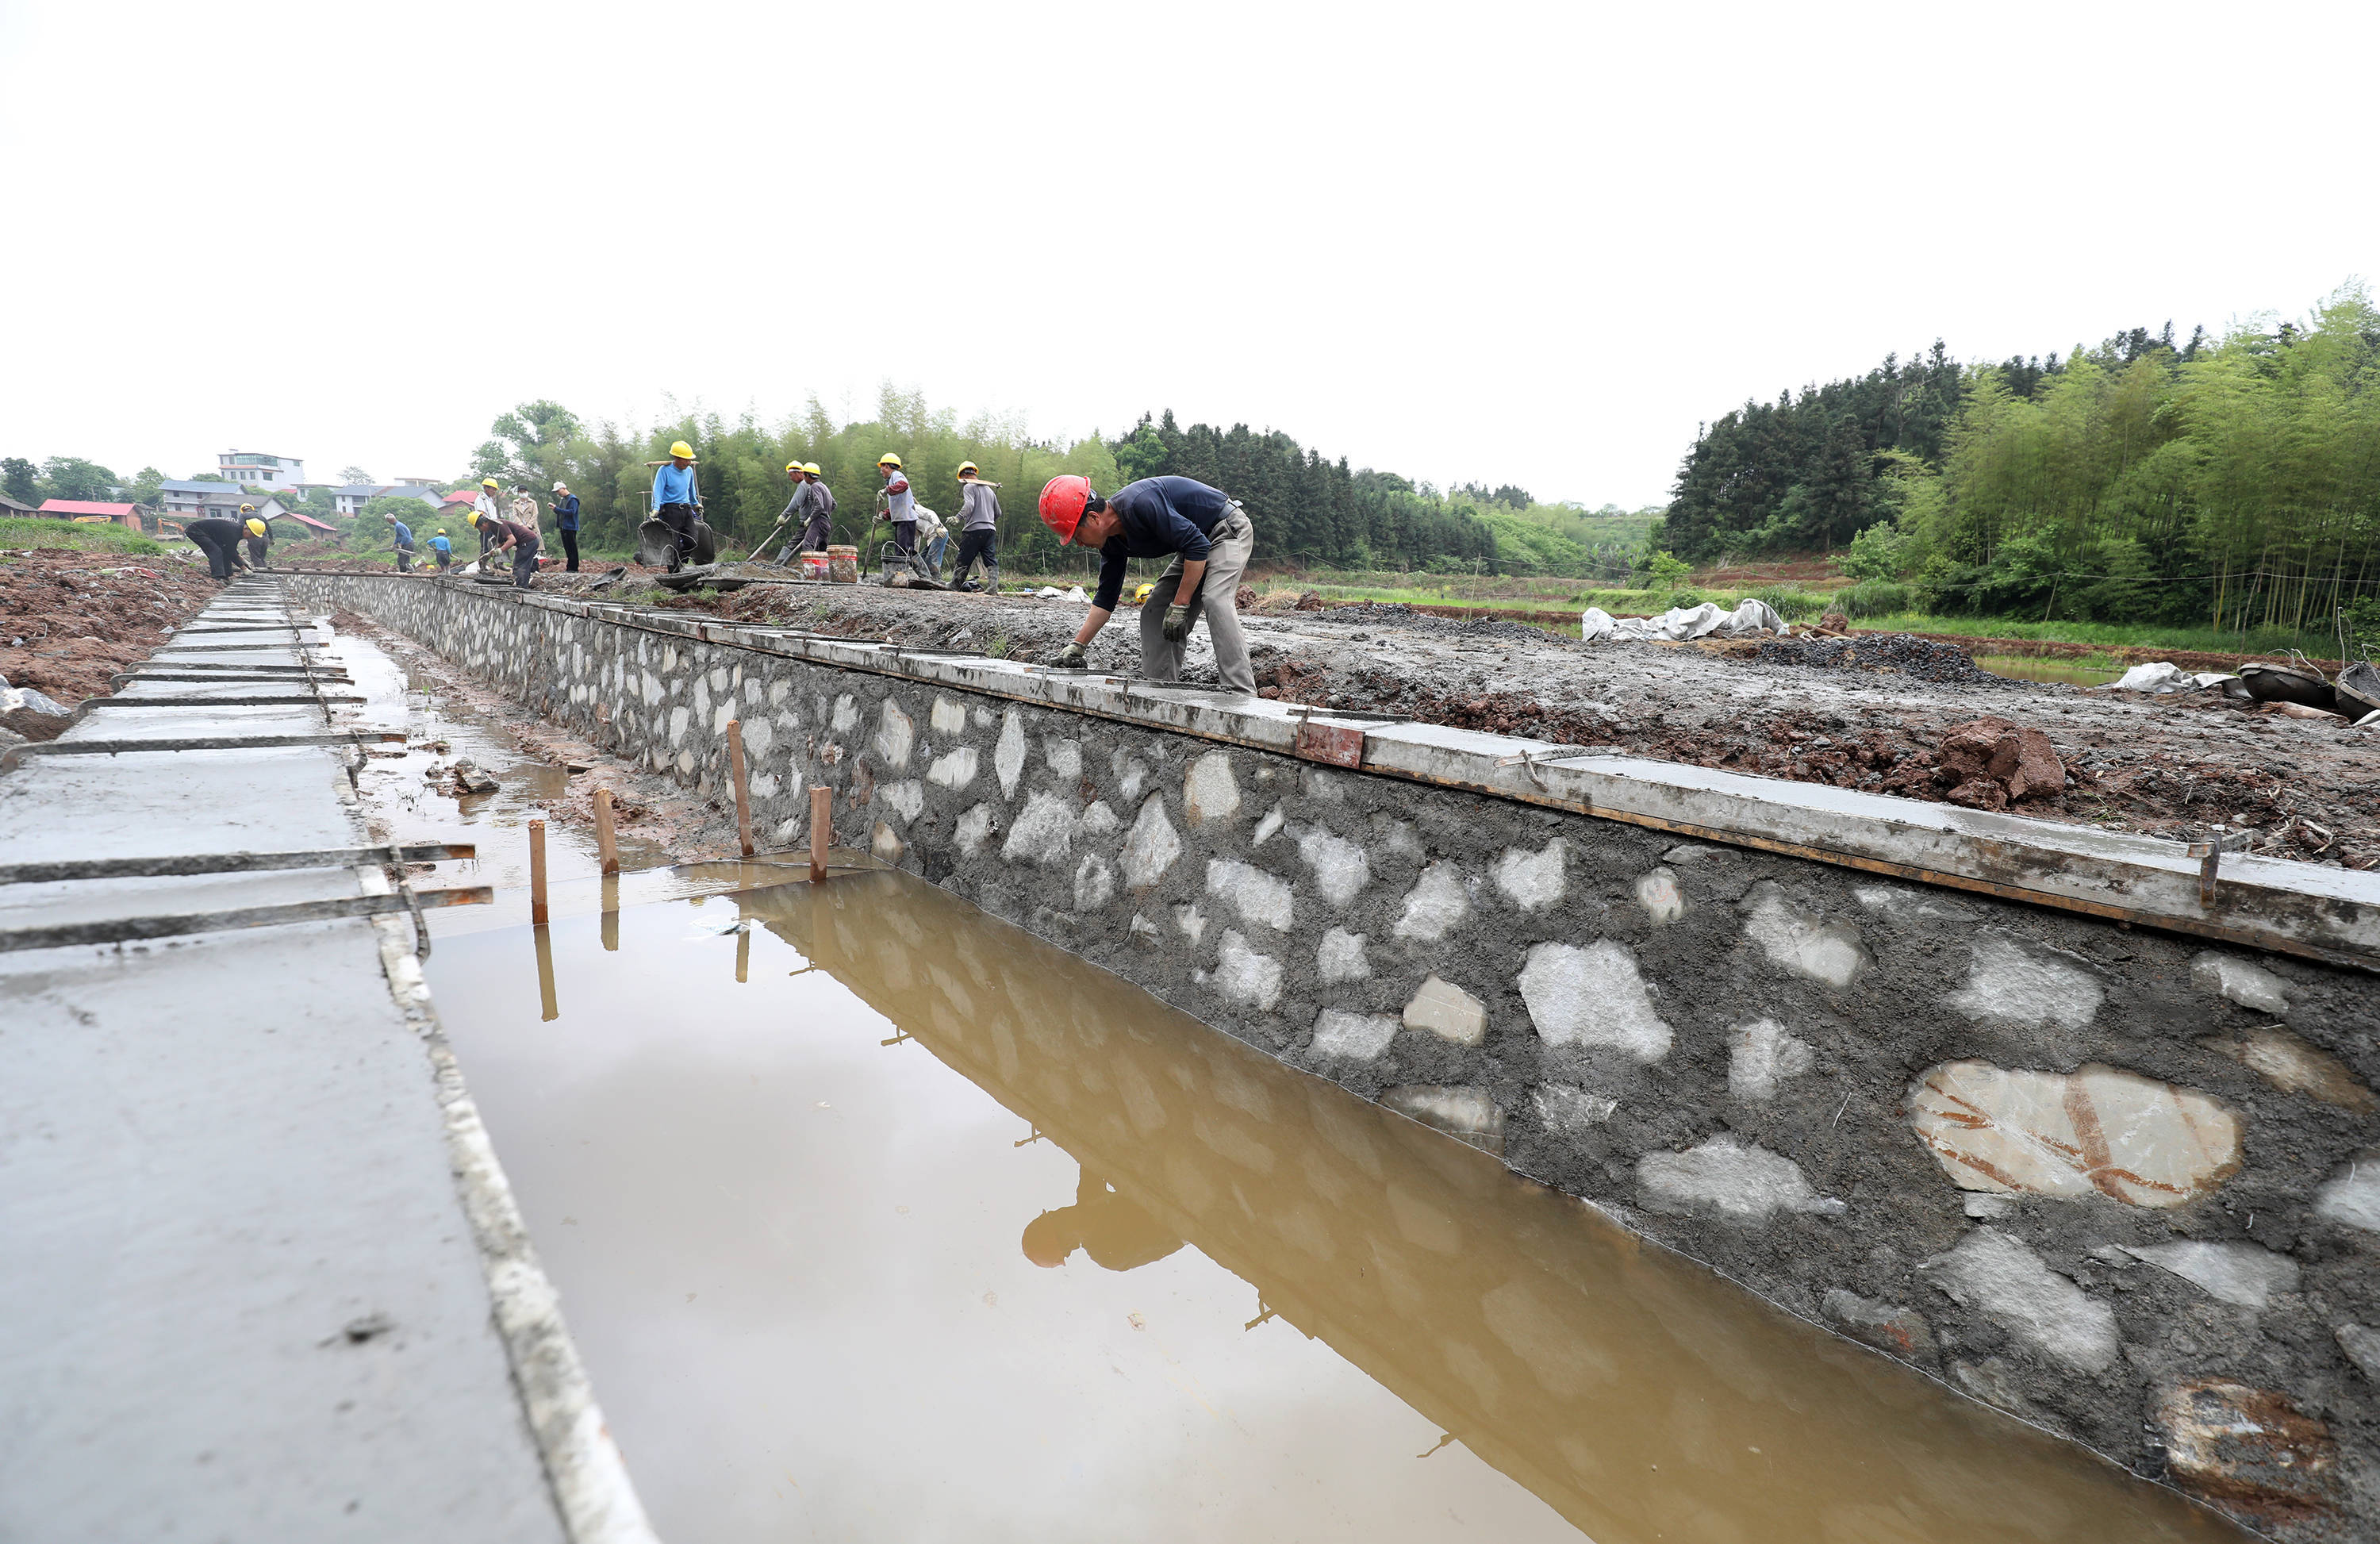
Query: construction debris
[470, 779]
[1941, 664]
[1680, 623]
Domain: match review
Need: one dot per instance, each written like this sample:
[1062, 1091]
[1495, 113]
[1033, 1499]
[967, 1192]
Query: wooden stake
[821, 828]
[607, 840]
[550, 1006]
[742, 794]
[537, 872]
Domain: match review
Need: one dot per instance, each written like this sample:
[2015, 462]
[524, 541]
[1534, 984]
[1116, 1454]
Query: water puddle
[2036, 667]
[878, 1218]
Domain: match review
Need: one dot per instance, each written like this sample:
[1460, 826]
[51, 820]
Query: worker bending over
[1208, 535]
[511, 536]
[677, 501]
[403, 535]
[219, 539]
[979, 530]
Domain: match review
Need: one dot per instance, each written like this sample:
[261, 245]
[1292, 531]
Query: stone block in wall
[2099, 1131]
[2044, 1311]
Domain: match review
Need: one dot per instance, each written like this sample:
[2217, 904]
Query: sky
[1529, 244]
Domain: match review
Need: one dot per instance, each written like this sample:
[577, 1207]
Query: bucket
[843, 565]
[814, 565]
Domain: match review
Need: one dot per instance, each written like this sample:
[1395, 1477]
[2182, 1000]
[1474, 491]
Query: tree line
[2232, 482]
[1307, 509]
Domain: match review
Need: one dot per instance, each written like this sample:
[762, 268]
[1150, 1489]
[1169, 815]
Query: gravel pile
[1941, 664]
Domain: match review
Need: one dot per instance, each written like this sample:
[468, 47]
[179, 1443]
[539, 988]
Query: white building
[254, 467]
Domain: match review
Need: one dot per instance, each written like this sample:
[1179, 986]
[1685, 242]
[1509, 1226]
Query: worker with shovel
[677, 501]
[979, 530]
[796, 514]
[484, 515]
[260, 537]
[511, 536]
[443, 550]
[403, 535]
[1208, 535]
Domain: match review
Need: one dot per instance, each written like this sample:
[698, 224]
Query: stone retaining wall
[2116, 1181]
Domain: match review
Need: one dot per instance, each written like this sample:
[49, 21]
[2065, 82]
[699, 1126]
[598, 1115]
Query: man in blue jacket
[404, 536]
[566, 520]
[1208, 535]
[677, 501]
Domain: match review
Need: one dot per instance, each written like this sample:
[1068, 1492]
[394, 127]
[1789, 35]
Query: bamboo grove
[2231, 482]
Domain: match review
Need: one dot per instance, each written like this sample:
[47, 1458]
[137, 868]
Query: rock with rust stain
[1991, 750]
[2096, 1132]
[1891, 1329]
[2248, 1450]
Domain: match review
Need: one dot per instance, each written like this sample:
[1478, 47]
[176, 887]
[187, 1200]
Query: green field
[38, 532]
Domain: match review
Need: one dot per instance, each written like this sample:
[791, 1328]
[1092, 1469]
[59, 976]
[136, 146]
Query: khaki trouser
[1231, 544]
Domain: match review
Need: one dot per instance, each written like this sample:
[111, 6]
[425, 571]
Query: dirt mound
[1989, 763]
[1405, 618]
[69, 621]
[1941, 664]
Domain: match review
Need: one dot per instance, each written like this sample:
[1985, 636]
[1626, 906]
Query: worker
[819, 533]
[898, 503]
[219, 539]
[260, 537]
[1208, 535]
[565, 521]
[1117, 1232]
[677, 500]
[483, 513]
[403, 535]
[511, 536]
[443, 550]
[795, 515]
[932, 542]
[979, 530]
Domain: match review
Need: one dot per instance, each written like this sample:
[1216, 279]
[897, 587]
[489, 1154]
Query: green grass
[39, 532]
[2263, 640]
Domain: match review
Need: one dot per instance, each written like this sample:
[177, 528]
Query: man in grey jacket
[979, 530]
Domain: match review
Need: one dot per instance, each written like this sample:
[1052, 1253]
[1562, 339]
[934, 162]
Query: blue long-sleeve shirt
[1161, 515]
[404, 534]
[672, 485]
[565, 512]
[440, 544]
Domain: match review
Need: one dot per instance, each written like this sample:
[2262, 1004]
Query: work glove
[1177, 622]
[1073, 657]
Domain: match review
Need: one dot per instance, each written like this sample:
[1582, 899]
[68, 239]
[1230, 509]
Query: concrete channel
[263, 1276]
[1588, 1146]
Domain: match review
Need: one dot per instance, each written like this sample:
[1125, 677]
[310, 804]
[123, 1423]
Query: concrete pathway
[245, 1292]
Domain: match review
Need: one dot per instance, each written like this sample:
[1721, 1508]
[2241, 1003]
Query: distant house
[351, 498]
[307, 525]
[11, 510]
[423, 491]
[191, 500]
[92, 511]
[257, 469]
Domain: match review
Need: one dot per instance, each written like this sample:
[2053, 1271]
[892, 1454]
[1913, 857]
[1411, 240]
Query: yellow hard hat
[246, 509]
[256, 527]
[811, 468]
[965, 466]
[889, 460]
[793, 465]
[471, 516]
[489, 482]
[680, 448]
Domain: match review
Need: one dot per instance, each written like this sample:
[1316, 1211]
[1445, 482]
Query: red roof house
[90, 511]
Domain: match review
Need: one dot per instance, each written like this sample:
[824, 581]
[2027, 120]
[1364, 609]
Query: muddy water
[877, 1219]
[2032, 668]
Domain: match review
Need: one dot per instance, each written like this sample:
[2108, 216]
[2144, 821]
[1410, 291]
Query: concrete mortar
[1729, 1048]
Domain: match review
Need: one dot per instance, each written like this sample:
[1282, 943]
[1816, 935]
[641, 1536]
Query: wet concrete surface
[876, 1218]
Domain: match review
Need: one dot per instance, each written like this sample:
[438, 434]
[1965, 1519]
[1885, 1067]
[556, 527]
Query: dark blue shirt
[565, 512]
[404, 533]
[1161, 515]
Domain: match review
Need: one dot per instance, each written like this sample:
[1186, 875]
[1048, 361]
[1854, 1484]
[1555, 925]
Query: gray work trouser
[1231, 543]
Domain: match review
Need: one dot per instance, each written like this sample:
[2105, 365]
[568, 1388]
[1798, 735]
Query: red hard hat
[1063, 499]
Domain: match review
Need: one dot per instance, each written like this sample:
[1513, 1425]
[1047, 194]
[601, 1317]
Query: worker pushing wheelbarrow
[675, 533]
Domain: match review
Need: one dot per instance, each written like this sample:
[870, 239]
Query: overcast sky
[1524, 243]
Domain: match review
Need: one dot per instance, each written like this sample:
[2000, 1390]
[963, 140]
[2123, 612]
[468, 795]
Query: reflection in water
[881, 1358]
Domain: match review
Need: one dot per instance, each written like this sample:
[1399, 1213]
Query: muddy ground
[69, 620]
[2167, 766]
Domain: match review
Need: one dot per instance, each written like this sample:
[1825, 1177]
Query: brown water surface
[878, 1218]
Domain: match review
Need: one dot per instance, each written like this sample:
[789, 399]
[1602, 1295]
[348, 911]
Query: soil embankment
[2168, 766]
[70, 620]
